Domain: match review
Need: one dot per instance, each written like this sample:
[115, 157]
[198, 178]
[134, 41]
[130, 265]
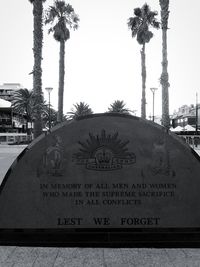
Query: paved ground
[7, 156]
[88, 257]
[97, 257]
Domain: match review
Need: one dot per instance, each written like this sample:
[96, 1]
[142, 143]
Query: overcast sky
[102, 59]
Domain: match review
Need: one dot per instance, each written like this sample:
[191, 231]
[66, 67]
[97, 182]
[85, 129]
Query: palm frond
[118, 106]
[80, 109]
[50, 15]
[31, 1]
[27, 103]
[156, 24]
[134, 24]
[139, 25]
[145, 10]
[61, 32]
[68, 9]
[23, 101]
[137, 12]
[62, 17]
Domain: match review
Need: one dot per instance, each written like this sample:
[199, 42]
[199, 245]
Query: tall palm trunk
[37, 70]
[164, 76]
[143, 73]
[28, 130]
[61, 80]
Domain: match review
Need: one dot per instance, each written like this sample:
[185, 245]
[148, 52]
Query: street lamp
[153, 89]
[196, 113]
[49, 89]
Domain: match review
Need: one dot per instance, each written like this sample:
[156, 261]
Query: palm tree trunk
[61, 81]
[164, 76]
[37, 71]
[28, 130]
[143, 73]
[165, 84]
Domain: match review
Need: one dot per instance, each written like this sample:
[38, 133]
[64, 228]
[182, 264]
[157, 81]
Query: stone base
[158, 238]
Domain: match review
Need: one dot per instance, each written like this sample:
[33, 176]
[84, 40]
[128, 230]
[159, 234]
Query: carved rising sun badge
[104, 153]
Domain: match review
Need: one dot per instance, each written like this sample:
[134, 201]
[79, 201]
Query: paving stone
[113, 257]
[21, 256]
[158, 258]
[146, 257]
[67, 252]
[46, 257]
[93, 258]
[5, 252]
[10, 264]
[191, 263]
[176, 256]
[98, 257]
[140, 258]
[129, 256]
[192, 253]
[69, 257]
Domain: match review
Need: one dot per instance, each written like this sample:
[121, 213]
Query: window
[10, 138]
[2, 138]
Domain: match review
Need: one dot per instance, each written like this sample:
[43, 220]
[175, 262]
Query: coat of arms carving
[104, 152]
[52, 161]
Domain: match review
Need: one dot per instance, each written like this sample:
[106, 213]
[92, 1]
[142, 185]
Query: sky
[102, 60]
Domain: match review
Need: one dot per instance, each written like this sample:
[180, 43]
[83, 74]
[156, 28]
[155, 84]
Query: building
[186, 115]
[12, 125]
[10, 121]
[8, 89]
[186, 119]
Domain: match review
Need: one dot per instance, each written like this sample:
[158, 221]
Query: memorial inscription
[108, 194]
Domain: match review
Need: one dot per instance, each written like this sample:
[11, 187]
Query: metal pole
[153, 104]
[196, 113]
[49, 89]
[49, 112]
[153, 91]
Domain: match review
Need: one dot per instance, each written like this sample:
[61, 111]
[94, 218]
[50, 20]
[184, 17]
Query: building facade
[10, 121]
[186, 115]
[7, 90]
[13, 126]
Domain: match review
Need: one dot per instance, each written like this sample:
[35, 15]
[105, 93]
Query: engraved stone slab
[103, 171]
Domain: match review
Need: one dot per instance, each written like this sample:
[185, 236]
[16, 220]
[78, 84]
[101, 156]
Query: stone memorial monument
[105, 179]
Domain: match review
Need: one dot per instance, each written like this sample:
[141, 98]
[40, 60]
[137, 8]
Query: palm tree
[118, 107]
[80, 109]
[164, 4]
[23, 103]
[37, 53]
[62, 17]
[139, 26]
[46, 117]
